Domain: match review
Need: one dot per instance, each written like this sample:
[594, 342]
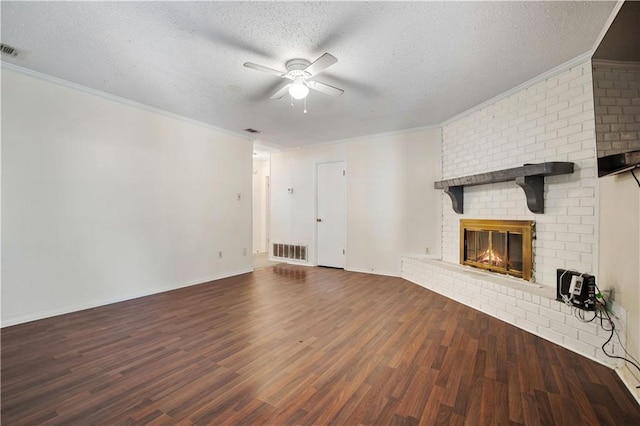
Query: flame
[490, 257]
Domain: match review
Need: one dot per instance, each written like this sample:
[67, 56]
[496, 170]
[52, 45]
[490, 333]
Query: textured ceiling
[401, 64]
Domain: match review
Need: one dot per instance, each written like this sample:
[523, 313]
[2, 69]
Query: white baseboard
[33, 316]
[367, 271]
[630, 381]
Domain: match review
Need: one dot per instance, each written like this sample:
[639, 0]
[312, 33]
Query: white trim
[370, 272]
[626, 376]
[292, 262]
[97, 303]
[370, 136]
[35, 74]
[579, 60]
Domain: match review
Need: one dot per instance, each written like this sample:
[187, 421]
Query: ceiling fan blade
[324, 88]
[281, 92]
[263, 69]
[322, 63]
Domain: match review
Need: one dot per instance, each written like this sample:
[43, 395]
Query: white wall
[620, 250]
[549, 121]
[260, 193]
[392, 207]
[103, 201]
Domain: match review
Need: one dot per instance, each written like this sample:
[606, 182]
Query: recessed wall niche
[616, 86]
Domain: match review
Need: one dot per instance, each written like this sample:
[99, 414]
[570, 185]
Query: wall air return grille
[290, 251]
[8, 50]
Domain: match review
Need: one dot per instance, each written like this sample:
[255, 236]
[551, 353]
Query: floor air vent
[289, 251]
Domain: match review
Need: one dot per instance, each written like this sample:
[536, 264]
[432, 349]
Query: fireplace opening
[503, 246]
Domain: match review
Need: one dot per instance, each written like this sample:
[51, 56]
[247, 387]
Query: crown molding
[370, 136]
[60, 82]
[579, 60]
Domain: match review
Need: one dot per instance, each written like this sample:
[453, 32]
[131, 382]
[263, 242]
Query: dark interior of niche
[616, 86]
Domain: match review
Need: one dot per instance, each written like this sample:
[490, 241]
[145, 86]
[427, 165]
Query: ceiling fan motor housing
[297, 64]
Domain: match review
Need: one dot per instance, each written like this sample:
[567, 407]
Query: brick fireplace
[550, 120]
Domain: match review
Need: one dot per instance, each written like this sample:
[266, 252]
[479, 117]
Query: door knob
[318, 220]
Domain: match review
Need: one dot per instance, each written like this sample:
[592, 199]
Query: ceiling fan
[301, 72]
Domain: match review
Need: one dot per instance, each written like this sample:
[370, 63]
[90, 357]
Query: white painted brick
[551, 335]
[562, 126]
[504, 125]
[568, 255]
[554, 305]
[586, 97]
[566, 149]
[564, 330]
[568, 310]
[514, 310]
[584, 135]
[564, 236]
[537, 319]
[586, 327]
[580, 347]
[604, 358]
[586, 117]
[506, 299]
[526, 325]
[580, 229]
[580, 247]
[564, 111]
[581, 211]
[506, 316]
[553, 316]
[554, 91]
[591, 339]
[528, 306]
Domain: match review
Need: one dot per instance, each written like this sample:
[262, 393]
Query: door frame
[315, 213]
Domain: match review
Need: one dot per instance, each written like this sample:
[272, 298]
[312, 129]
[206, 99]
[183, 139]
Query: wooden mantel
[529, 177]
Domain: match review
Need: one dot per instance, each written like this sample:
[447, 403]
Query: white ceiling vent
[8, 50]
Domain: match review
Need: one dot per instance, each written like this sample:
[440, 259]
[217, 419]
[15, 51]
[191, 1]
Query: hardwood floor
[296, 345]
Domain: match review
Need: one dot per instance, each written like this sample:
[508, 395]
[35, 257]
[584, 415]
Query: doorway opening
[261, 175]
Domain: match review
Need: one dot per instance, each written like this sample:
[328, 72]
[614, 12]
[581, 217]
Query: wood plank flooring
[296, 345]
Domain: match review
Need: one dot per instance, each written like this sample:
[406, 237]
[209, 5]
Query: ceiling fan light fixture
[298, 90]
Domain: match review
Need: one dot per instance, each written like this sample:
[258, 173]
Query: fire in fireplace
[503, 246]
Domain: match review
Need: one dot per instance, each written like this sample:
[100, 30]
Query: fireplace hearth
[502, 246]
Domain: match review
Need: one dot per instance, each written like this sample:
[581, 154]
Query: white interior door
[330, 215]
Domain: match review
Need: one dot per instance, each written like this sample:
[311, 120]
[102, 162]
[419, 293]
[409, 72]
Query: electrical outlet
[244, 251]
[239, 196]
[575, 287]
[219, 255]
[426, 250]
